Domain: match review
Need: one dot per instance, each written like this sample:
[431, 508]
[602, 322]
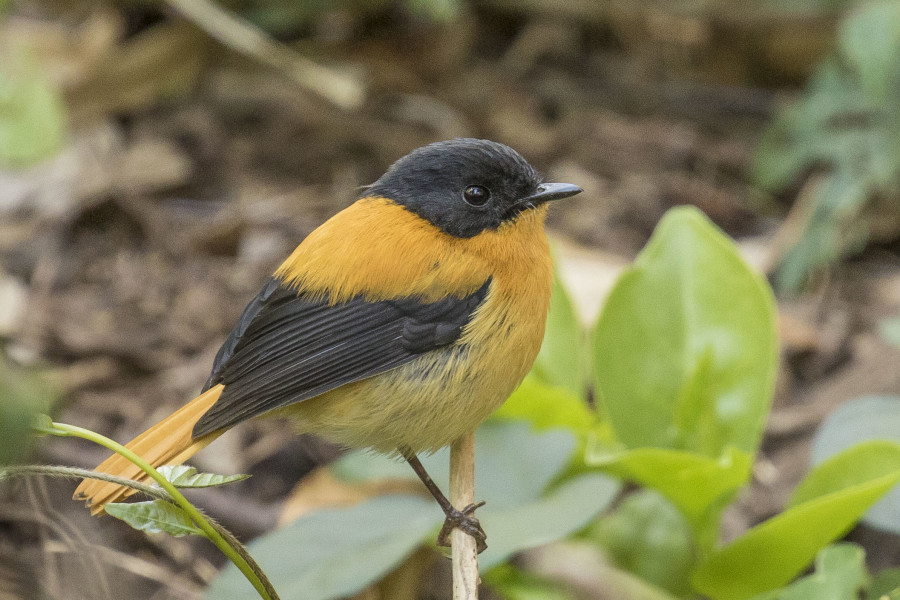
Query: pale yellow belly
[431, 401]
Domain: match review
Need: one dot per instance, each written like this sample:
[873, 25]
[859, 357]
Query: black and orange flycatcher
[399, 325]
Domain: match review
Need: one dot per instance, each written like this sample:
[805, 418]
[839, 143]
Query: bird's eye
[476, 195]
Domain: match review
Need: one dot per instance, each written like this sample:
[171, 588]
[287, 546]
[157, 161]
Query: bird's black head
[466, 186]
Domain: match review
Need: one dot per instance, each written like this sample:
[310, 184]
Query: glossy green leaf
[183, 476]
[646, 535]
[548, 407]
[562, 359]
[335, 553]
[774, 552]
[154, 516]
[513, 464]
[557, 514]
[696, 484]
[32, 114]
[685, 348]
[840, 573]
[874, 420]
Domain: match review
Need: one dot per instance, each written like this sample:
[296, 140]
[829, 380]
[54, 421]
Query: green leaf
[890, 331]
[183, 476]
[511, 583]
[554, 516]
[513, 464]
[861, 419]
[698, 485]
[833, 228]
[772, 553]
[860, 463]
[870, 41]
[685, 349]
[154, 516]
[562, 359]
[840, 573]
[649, 537]
[32, 114]
[335, 553]
[548, 407]
[885, 585]
[24, 394]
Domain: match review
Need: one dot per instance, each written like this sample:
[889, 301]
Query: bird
[398, 325]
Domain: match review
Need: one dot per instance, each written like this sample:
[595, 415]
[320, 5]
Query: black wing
[287, 347]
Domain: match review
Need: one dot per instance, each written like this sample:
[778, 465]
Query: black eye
[476, 195]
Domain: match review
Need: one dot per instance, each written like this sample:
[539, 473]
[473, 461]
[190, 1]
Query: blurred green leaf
[562, 359]
[840, 573]
[154, 516]
[771, 554]
[32, 114]
[548, 407]
[885, 586]
[335, 553]
[511, 583]
[685, 348]
[890, 331]
[870, 41]
[649, 537]
[846, 128]
[837, 449]
[698, 485]
[555, 515]
[513, 464]
[860, 463]
[833, 229]
[183, 476]
[24, 395]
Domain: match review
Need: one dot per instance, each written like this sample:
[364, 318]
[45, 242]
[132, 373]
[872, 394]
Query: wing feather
[288, 347]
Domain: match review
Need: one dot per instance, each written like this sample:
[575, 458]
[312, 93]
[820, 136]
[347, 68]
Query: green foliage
[337, 552]
[24, 394]
[890, 331]
[860, 439]
[772, 553]
[685, 348]
[154, 516]
[649, 537]
[32, 115]
[698, 485]
[847, 124]
[840, 574]
[183, 476]
[511, 583]
[562, 359]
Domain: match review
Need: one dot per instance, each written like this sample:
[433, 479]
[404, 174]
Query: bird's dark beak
[551, 191]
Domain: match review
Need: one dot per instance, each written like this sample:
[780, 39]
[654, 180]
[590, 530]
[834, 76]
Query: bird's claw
[465, 521]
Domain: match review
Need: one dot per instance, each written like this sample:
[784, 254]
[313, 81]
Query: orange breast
[385, 251]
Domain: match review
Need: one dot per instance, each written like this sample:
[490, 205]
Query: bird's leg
[463, 519]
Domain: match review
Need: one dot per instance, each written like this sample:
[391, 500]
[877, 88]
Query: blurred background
[158, 159]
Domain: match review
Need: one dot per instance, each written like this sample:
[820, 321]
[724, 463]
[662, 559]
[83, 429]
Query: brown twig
[247, 39]
[462, 493]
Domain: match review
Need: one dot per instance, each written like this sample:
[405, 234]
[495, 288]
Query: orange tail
[169, 442]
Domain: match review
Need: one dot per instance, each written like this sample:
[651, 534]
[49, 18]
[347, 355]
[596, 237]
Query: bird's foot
[465, 521]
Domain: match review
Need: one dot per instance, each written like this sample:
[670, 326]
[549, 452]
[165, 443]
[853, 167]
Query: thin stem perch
[462, 493]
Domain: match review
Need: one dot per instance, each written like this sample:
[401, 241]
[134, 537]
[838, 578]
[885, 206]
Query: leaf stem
[225, 542]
